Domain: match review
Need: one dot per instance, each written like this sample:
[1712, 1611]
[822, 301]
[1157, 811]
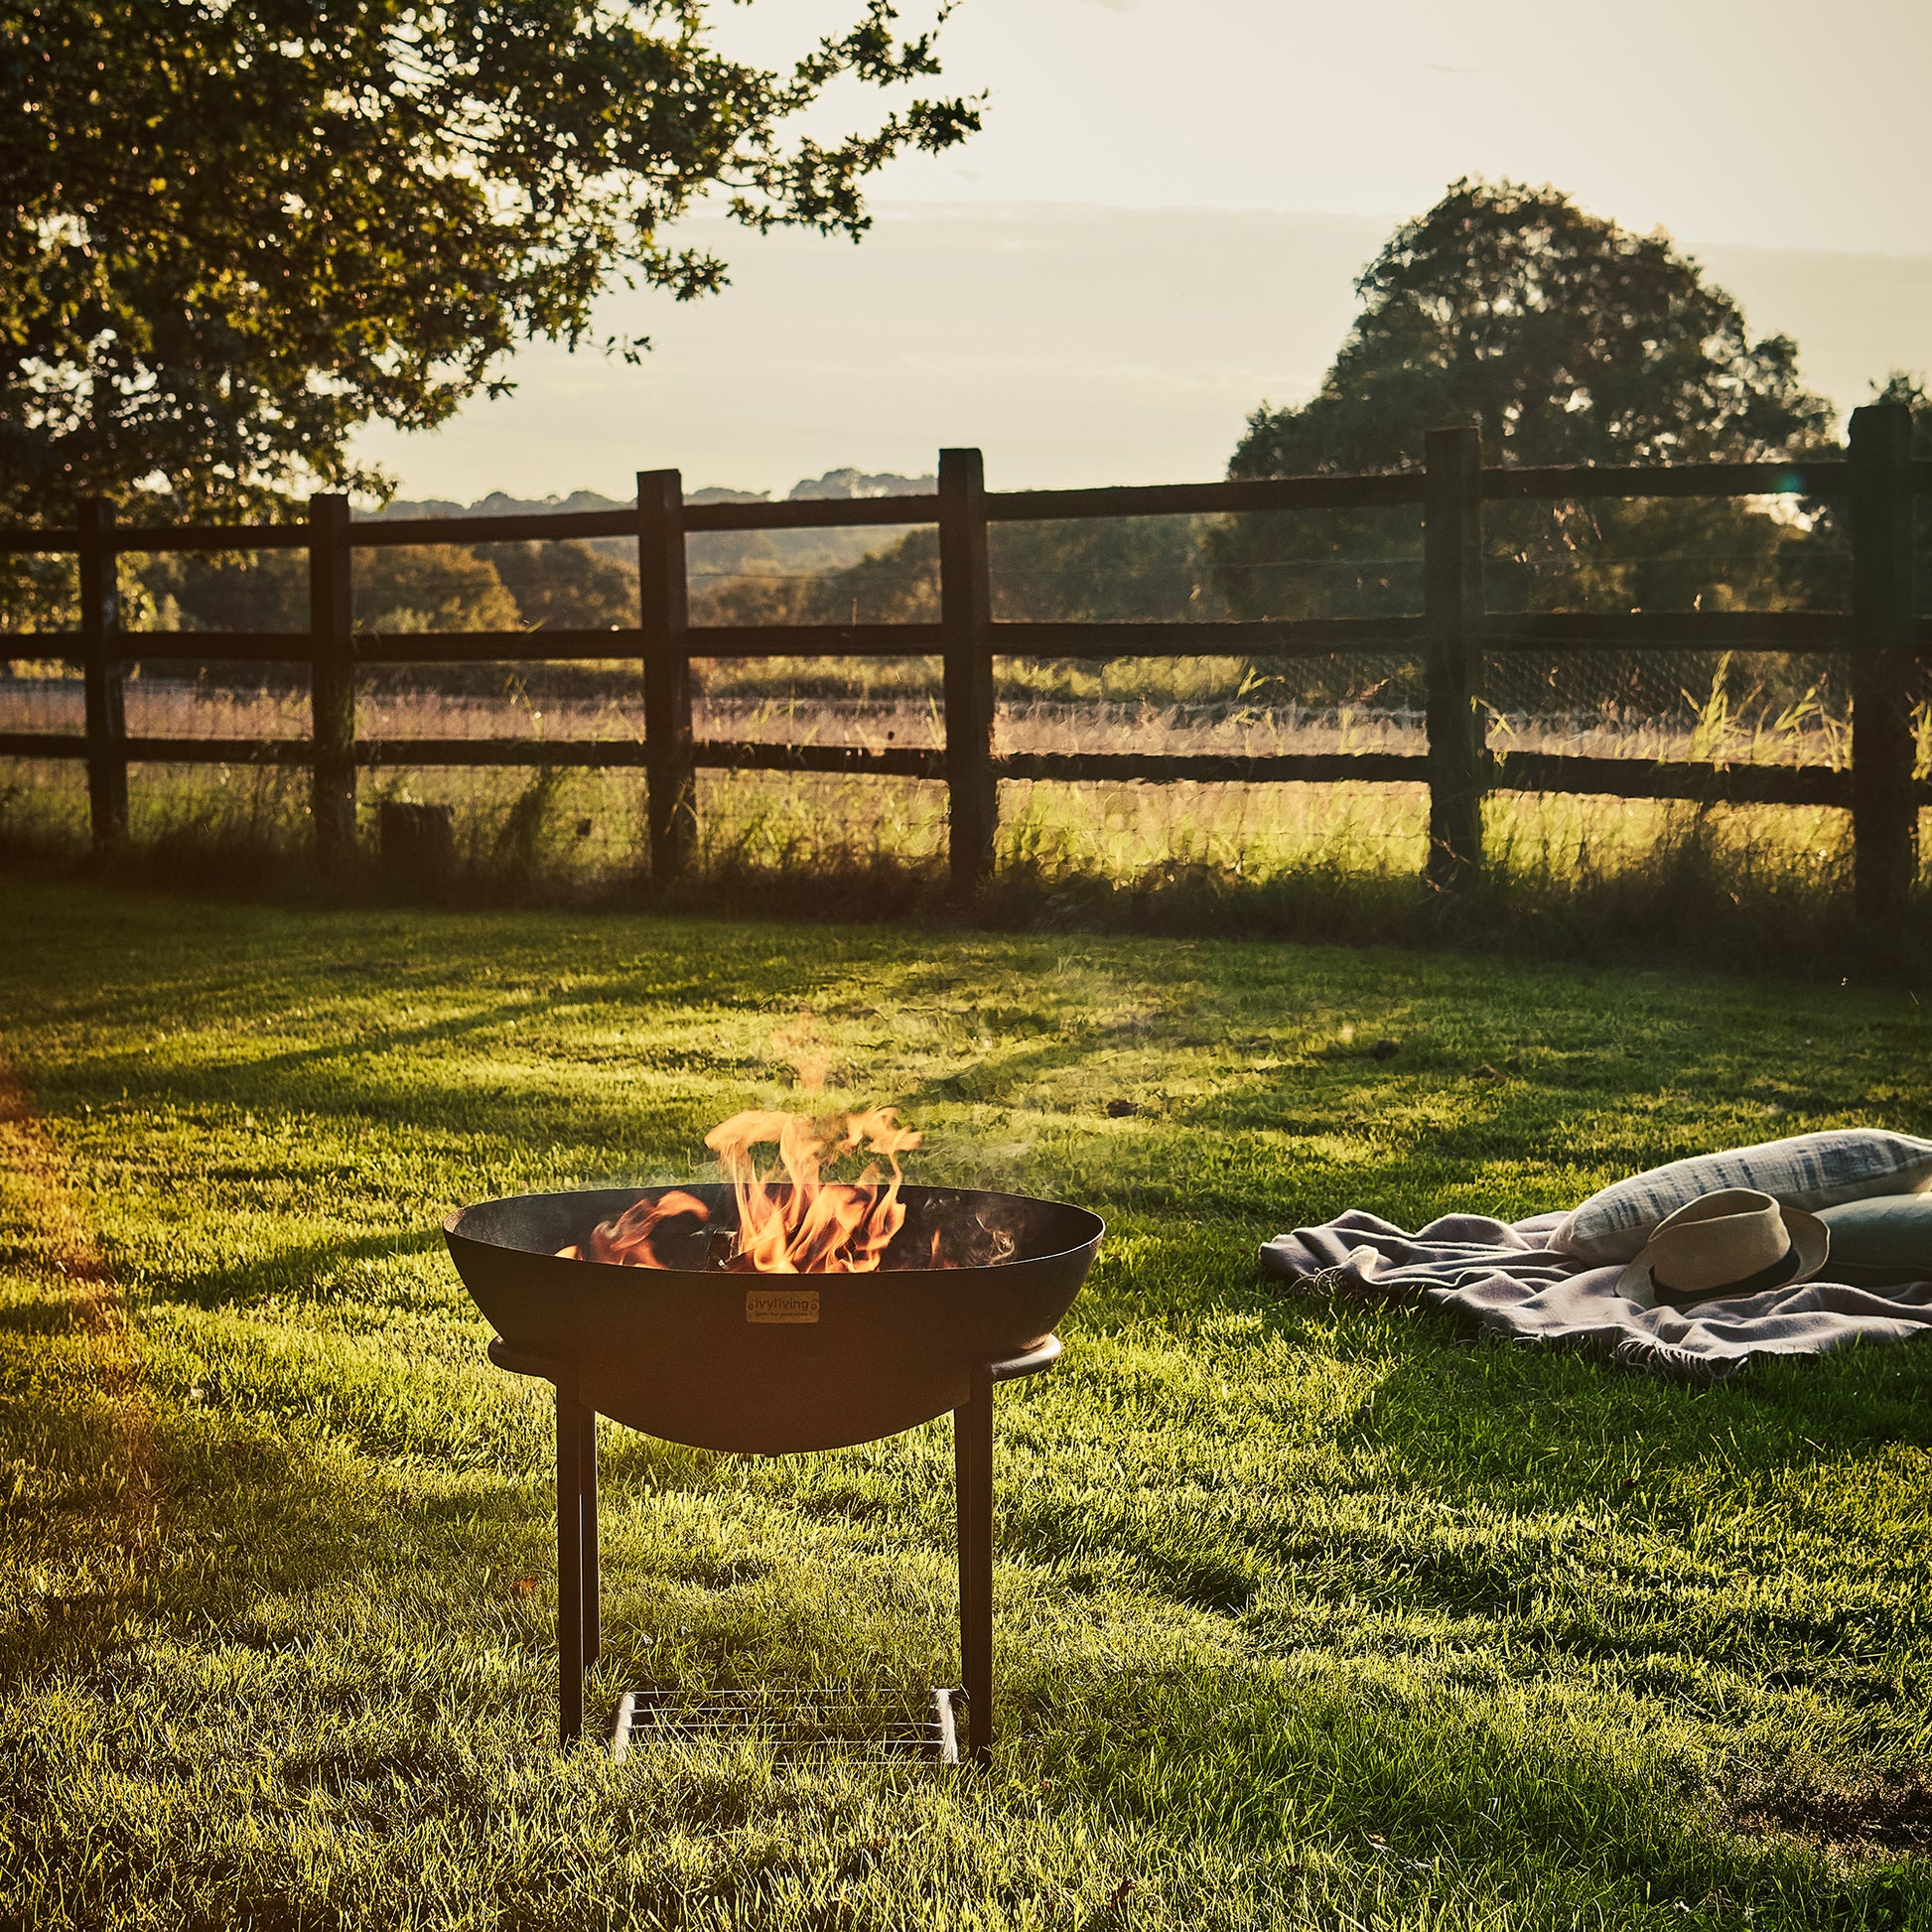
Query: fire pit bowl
[769, 1364]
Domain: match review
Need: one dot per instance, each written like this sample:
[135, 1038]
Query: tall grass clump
[43, 811]
[1681, 880]
[207, 827]
[230, 825]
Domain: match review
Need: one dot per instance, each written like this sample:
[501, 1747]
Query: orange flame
[800, 1225]
[812, 1226]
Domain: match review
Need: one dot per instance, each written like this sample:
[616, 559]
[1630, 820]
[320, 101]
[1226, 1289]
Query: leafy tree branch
[240, 230]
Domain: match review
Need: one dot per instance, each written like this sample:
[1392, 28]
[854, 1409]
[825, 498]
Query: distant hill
[842, 484]
[836, 486]
[717, 558]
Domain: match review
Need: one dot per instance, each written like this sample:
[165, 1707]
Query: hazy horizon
[1037, 332]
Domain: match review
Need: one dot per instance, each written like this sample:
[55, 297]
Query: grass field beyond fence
[1761, 887]
[1307, 1614]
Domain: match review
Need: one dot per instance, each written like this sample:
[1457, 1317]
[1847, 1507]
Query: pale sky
[1160, 222]
[1782, 123]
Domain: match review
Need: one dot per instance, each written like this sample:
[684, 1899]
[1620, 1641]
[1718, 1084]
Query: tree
[1562, 337]
[241, 229]
[564, 586]
[213, 590]
[1565, 339]
[431, 587]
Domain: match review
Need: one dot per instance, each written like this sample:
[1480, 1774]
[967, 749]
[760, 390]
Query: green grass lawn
[1308, 1613]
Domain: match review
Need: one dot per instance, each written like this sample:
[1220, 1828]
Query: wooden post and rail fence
[1878, 480]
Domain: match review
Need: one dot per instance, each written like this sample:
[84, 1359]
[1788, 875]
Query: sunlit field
[1308, 1613]
[1338, 861]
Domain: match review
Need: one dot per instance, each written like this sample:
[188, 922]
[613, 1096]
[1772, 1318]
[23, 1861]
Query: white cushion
[1809, 1171]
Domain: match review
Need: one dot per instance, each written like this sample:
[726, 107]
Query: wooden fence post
[100, 621]
[670, 775]
[332, 675]
[966, 617]
[1454, 610]
[1885, 812]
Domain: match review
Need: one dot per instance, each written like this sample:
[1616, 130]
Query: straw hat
[1737, 1242]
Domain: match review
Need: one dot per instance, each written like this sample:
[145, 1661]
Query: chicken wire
[1702, 705]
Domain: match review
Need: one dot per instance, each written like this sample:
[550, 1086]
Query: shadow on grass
[289, 1272]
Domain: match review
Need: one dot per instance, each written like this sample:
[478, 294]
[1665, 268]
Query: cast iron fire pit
[772, 1363]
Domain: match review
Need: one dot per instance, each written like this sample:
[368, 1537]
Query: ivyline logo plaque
[781, 1304]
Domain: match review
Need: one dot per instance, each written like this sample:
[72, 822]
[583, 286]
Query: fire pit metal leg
[972, 1448]
[973, 1472]
[569, 1569]
[578, 1624]
[587, 1516]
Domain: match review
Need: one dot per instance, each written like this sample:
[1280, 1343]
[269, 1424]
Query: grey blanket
[1506, 1280]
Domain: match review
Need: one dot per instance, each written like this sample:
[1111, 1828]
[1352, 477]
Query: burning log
[626, 1237]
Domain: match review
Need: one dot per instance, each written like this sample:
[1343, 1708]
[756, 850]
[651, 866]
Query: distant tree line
[405, 588]
[531, 586]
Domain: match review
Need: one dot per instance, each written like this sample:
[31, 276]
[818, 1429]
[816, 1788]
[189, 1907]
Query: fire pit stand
[578, 1629]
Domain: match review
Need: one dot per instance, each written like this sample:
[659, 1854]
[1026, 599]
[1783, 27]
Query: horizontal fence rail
[1877, 481]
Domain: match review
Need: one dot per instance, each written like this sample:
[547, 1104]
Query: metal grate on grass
[850, 1723]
